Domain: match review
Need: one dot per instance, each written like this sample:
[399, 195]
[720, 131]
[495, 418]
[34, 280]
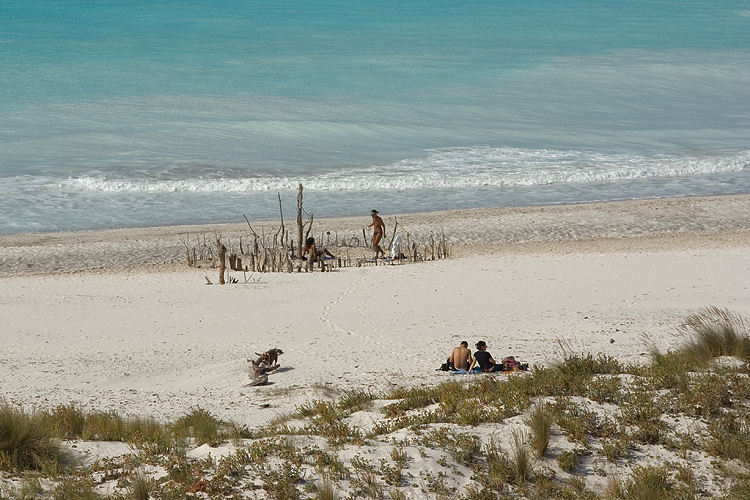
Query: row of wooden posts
[276, 251]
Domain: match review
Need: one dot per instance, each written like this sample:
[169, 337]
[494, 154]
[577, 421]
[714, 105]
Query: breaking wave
[438, 169]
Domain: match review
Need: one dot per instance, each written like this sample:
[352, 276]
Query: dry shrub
[281, 484]
[26, 441]
[68, 421]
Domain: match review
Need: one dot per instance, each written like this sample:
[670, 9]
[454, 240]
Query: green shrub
[614, 448]
[587, 364]
[605, 389]
[567, 460]
[729, 437]
[356, 400]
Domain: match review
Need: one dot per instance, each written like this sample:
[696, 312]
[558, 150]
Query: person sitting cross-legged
[484, 359]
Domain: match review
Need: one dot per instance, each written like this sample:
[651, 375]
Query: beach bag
[510, 363]
[444, 367]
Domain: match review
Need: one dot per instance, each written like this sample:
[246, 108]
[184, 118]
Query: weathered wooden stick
[393, 233]
[222, 262]
[309, 228]
[299, 221]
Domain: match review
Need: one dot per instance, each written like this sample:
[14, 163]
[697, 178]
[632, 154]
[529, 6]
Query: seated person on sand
[311, 251]
[460, 358]
[484, 360]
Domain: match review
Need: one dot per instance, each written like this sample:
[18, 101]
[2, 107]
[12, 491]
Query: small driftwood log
[260, 373]
[258, 380]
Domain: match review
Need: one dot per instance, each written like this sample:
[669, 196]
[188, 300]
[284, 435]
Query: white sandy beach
[143, 333]
[116, 320]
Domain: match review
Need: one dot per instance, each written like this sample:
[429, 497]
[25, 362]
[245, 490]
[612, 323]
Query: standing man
[378, 233]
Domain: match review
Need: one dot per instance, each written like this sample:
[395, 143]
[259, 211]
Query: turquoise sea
[121, 113]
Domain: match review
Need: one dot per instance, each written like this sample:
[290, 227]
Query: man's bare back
[460, 357]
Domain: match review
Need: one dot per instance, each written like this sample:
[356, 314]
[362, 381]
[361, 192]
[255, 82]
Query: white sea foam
[442, 169]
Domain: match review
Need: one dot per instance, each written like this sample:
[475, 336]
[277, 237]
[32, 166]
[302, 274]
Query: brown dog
[271, 356]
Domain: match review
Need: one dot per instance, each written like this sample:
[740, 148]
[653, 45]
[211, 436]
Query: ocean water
[125, 113]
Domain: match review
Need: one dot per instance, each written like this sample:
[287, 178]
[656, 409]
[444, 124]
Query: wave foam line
[448, 168]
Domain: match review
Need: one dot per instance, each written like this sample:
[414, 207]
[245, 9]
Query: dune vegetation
[586, 426]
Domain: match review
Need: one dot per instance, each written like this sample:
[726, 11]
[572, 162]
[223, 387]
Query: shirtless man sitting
[460, 357]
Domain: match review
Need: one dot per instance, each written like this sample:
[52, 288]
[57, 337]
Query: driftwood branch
[309, 224]
[299, 221]
[251, 227]
[281, 213]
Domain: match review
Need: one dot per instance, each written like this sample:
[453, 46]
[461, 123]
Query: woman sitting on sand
[484, 359]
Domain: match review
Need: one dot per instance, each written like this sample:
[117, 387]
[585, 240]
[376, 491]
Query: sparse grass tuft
[540, 421]
[521, 460]
[648, 483]
[201, 425]
[326, 491]
[76, 488]
[28, 490]
[714, 332]
[140, 486]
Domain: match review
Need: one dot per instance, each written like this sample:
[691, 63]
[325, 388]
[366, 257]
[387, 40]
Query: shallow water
[118, 114]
